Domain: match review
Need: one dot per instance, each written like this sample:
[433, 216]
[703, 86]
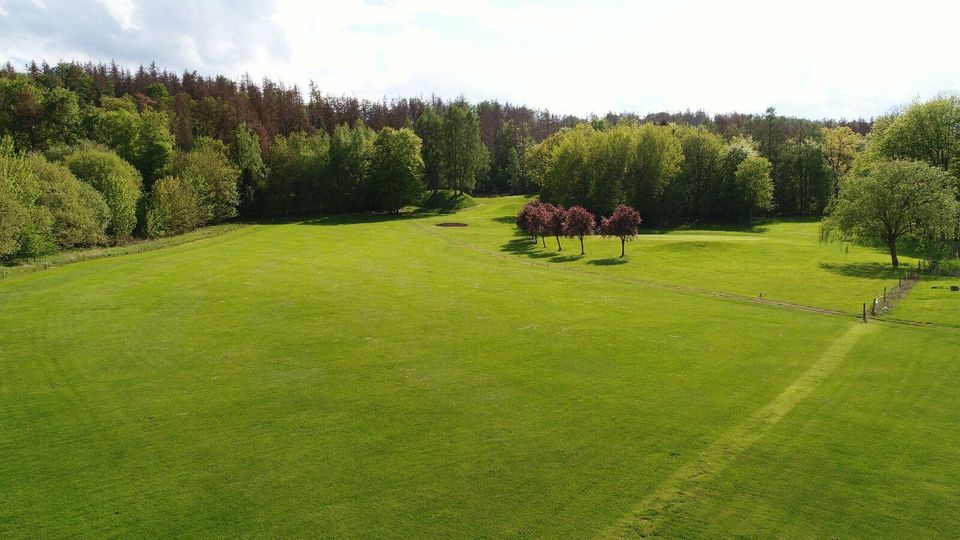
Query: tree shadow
[524, 246]
[445, 202]
[754, 228]
[609, 261]
[872, 270]
[349, 219]
[558, 258]
[505, 219]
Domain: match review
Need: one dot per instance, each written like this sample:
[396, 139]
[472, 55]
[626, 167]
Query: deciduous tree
[579, 222]
[396, 171]
[891, 201]
[464, 156]
[754, 185]
[623, 224]
[116, 180]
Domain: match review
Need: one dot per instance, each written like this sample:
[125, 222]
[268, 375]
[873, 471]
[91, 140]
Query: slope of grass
[380, 377]
[78, 255]
[445, 201]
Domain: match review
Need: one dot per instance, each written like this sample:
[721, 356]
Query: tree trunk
[544, 238]
[623, 244]
[559, 247]
[892, 244]
[581, 245]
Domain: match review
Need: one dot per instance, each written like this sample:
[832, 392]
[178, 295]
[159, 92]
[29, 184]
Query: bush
[35, 238]
[213, 177]
[79, 215]
[24, 226]
[115, 179]
[173, 208]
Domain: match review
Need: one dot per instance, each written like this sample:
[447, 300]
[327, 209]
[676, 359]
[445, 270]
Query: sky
[812, 58]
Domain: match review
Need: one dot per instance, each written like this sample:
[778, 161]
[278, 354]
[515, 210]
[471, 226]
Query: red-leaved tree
[533, 219]
[579, 222]
[555, 216]
[623, 224]
[525, 219]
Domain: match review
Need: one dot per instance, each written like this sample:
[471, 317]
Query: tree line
[178, 151]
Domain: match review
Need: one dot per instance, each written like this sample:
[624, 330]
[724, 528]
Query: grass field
[383, 377]
[932, 301]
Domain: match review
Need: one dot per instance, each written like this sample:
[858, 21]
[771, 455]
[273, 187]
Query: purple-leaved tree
[555, 216]
[623, 224]
[579, 222]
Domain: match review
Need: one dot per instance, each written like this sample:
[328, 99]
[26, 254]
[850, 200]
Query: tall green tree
[840, 146]
[702, 151]
[464, 156]
[253, 171]
[609, 154]
[805, 183]
[656, 160]
[396, 171]
[429, 128]
[507, 174]
[37, 117]
[928, 131]
[298, 182]
[754, 186]
[893, 200]
[348, 167]
[142, 139]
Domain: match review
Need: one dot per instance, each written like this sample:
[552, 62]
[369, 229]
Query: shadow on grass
[559, 258]
[872, 270]
[505, 219]
[349, 219]
[445, 202]
[755, 228]
[609, 261]
[523, 245]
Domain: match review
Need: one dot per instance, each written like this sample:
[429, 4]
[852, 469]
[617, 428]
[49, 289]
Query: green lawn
[374, 377]
[932, 301]
[782, 260]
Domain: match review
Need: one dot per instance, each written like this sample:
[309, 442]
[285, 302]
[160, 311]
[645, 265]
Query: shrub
[213, 178]
[173, 208]
[78, 213]
[115, 179]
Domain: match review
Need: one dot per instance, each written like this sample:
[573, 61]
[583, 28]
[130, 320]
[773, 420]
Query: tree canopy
[894, 200]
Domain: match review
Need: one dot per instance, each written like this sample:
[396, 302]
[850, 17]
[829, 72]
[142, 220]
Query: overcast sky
[809, 58]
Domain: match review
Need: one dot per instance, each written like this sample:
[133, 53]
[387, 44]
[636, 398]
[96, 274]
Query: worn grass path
[684, 484]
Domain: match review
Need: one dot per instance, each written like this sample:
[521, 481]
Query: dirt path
[685, 483]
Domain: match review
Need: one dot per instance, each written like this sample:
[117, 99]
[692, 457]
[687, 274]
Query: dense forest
[95, 153]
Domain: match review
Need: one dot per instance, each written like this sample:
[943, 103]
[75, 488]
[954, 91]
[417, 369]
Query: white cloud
[816, 58]
[122, 11]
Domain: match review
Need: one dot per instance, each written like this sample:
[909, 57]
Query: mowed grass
[932, 301]
[781, 260]
[872, 453]
[375, 377]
